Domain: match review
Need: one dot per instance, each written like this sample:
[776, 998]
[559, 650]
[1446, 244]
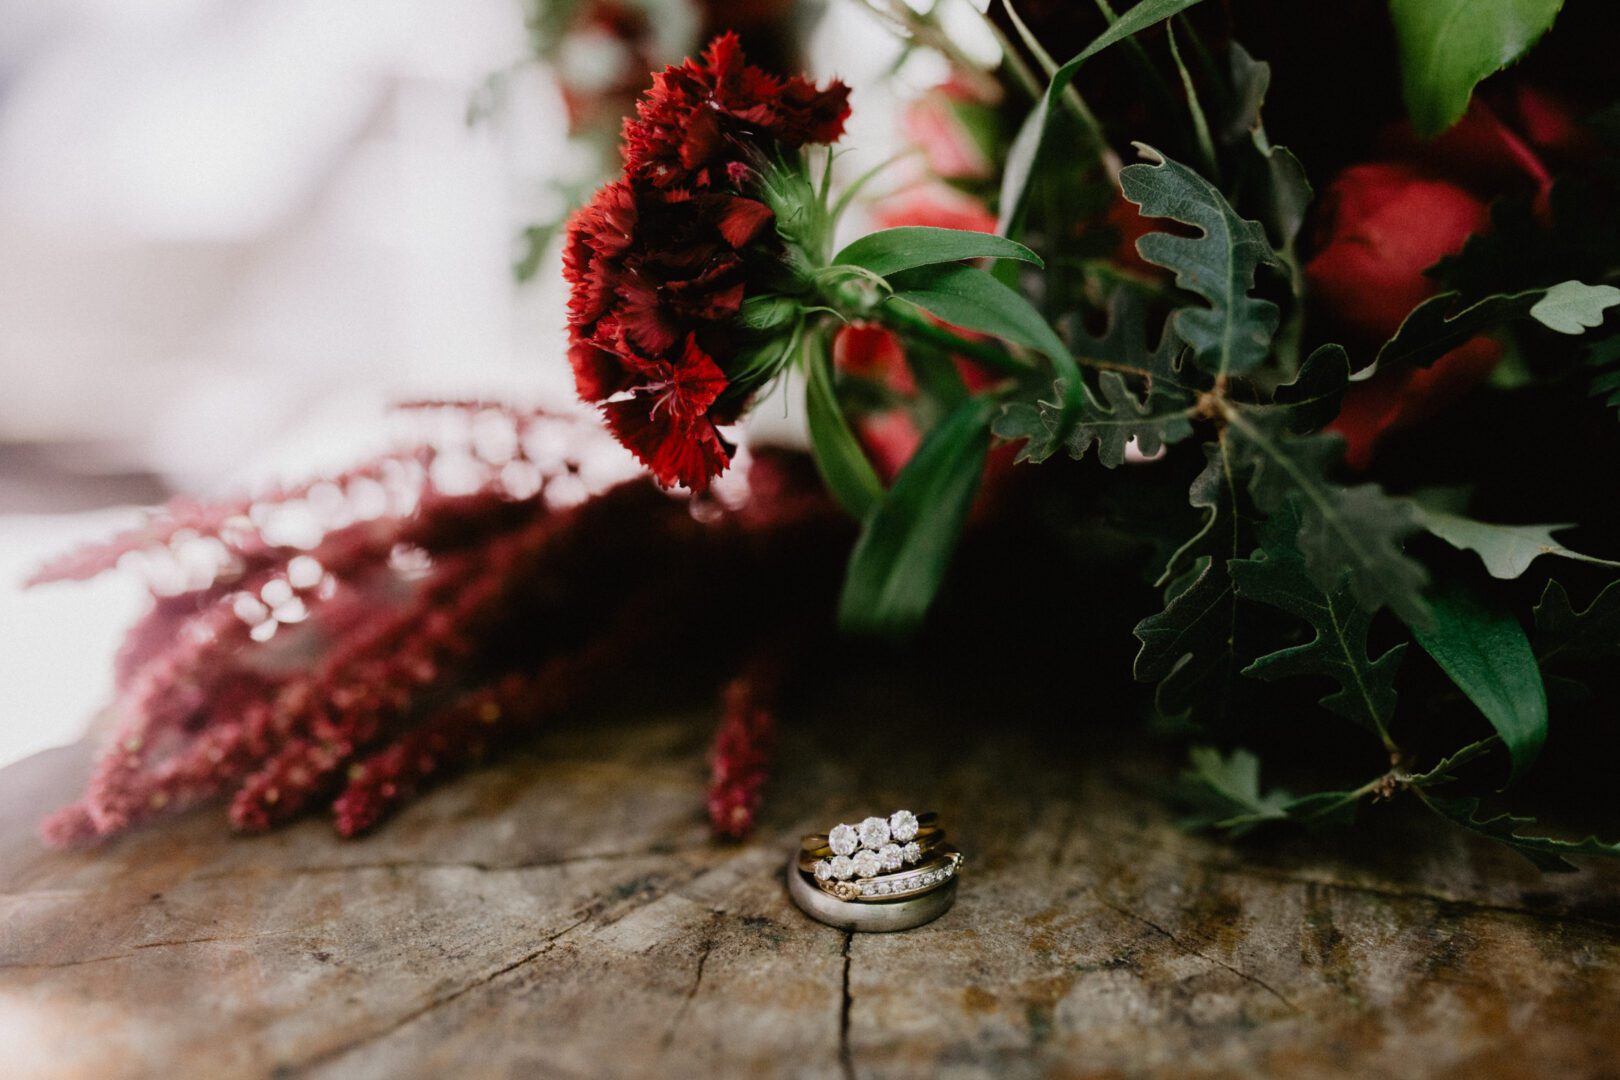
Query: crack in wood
[1439, 899]
[656, 852]
[697, 982]
[136, 950]
[1142, 840]
[591, 911]
[846, 1057]
[1188, 950]
[344, 1048]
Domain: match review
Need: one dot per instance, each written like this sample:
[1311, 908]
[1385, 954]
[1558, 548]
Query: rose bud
[938, 124]
[1498, 146]
[1386, 224]
[1398, 400]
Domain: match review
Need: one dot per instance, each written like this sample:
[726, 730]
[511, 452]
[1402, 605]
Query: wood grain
[564, 914]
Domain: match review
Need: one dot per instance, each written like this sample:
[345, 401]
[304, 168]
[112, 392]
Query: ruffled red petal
[689, 452]
[741, 219]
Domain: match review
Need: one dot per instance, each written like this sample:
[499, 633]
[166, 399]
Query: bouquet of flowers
[1302, 315]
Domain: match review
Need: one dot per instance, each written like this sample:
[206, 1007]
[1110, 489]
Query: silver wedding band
[867, 918]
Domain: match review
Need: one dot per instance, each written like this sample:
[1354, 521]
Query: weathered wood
[565, 914]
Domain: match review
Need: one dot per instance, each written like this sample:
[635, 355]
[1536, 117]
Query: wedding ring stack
[879, 874]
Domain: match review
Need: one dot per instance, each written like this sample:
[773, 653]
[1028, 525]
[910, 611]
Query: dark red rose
[657, 263]
[1385, 225]
[1384, 404]
[1513, 142]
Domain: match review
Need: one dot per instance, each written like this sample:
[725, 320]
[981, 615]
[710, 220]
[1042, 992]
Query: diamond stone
[903, 825]
[890, 856]
[874, 833]
[912, 852]
[843, 840]
[843, 867]
[824, 870]
[867, 863]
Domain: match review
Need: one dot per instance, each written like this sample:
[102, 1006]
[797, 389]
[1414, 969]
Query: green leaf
[1448, 46]
[1605, 357]
[892, 250]
[905, 548]
[1286, 192]
[769, 311]
[1026, 147]
[1234, 333]
[1115, 414]
[1566, 635]
[1229, 787]
[1571, 307]
[838, 455]
[1546, 852]
[1189, 648]
[534, 241]
[1277, 577]
[1444, 770]
[1429, 332]
[1228, 791]
[1486, 653]
[1358, 530]
[1314, 397]
[1026, 422]
[1506, 550]
[968, 297]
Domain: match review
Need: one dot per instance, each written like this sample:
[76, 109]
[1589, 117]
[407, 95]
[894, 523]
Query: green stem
[908, 322]
[1071, 96]
[1022, 72]
[1445, 765]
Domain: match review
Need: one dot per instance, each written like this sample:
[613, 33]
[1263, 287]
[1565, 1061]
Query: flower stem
[908, 322]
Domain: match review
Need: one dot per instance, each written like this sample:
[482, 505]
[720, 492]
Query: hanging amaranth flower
[660, 263]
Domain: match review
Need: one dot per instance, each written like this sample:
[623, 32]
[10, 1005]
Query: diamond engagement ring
[881, 873]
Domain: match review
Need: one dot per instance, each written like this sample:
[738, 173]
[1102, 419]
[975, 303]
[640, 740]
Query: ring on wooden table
[896, 914]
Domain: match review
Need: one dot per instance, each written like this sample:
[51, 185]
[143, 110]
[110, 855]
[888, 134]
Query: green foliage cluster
[1293, 573]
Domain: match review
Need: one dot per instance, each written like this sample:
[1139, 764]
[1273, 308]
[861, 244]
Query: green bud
[768, 311]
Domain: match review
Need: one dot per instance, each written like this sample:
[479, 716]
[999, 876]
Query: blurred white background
[233, 230]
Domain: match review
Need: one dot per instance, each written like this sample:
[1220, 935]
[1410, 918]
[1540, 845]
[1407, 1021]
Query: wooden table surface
[565, 914]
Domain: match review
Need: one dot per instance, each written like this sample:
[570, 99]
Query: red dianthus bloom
[657, 261]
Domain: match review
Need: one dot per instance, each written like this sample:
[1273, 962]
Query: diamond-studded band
[899, 914]
[903, 885]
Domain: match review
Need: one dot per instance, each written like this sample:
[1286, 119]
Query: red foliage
[391, 651]
[744, 746]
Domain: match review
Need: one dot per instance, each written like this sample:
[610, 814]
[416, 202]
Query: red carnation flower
[657, 262]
